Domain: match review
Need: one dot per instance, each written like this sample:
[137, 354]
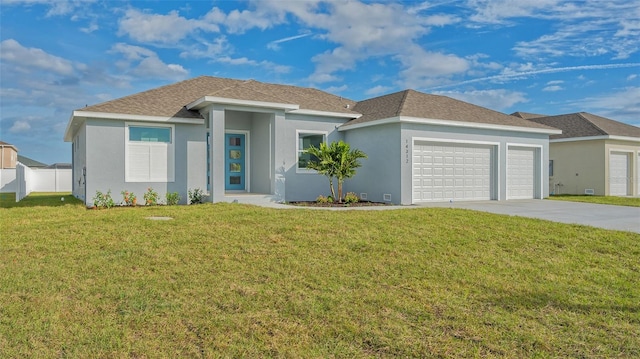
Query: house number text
[406, 150]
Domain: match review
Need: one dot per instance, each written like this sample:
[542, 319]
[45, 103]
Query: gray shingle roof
[527, 115]
[583, 124]
[29, 162]
[412, 103]
[170, 100]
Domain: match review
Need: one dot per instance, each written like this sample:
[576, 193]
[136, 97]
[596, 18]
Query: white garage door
[520, 173]
[618, 174]
[451, 171]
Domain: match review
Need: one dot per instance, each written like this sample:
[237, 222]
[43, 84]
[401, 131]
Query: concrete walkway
[597, 215]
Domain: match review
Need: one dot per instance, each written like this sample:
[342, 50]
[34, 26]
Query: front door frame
[247, 159]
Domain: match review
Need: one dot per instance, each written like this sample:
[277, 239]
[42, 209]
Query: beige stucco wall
[9, 157]
[579, 165]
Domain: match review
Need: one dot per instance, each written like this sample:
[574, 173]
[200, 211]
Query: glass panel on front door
[235, 162]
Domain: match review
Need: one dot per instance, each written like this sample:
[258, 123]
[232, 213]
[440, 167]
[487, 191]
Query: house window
[149, 153]
[550, 168]
[306, 140]
[150, 134]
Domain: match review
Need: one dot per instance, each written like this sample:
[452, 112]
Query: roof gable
[583, 124]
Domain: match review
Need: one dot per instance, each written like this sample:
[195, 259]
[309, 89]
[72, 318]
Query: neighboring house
[31, 163]
[231, 137]
[8, 155]
[593, 155]
[8, 162]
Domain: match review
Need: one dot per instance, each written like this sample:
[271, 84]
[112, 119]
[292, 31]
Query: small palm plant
[335, 160]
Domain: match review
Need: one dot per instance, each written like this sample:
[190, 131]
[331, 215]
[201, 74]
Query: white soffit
[208, 100]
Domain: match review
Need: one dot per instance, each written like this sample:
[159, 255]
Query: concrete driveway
[596, 215]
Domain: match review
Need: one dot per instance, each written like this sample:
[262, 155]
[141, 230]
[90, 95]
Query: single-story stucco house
[233, 138]
[592, 155]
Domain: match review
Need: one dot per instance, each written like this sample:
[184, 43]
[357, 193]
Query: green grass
[48, 199]
[612, 200]
[229, 280]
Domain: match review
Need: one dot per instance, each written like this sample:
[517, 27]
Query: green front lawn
[48, 199]
[613, 200]
[229, 280]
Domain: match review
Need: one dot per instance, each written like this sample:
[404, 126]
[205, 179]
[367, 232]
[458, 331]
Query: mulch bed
[335, 204]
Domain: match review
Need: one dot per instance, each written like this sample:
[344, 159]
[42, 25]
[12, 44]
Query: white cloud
[377, 90]
[245, 61]
[509, 74]
[163, 29]
[632, 77]
[555, 82]
[275, 45]
[142, 62]
[553, 88]
[56, 8]
[365, 30]
[581, 28]
[237, 22]
[499, 11]
[93, 26]
[623, 105]
[498, 99]
[20, 126]
[29, 58]
[422, 68]
[442, 20]
[206, 49]
[336, 89]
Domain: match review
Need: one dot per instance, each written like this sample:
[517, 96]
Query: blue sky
[543, 56]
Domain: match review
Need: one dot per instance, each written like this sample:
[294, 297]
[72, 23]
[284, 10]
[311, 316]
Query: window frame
[551, 168]
[169, 147]
[325, 135]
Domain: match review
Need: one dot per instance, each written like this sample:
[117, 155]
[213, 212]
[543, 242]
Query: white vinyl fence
[29, 180]
[7, 180]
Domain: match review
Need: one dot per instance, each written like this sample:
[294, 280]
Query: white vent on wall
[386, 197]
[589, 191]
[363, 196]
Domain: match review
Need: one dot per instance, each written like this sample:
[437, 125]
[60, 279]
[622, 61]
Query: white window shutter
[138, 164]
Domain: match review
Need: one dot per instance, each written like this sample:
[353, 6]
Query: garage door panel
[458, 171]
[520, 173]
[618, 174]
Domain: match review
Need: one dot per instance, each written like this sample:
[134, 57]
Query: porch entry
[235, 163]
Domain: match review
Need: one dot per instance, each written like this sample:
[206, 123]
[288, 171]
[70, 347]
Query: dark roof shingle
[583, 124]
[527, 115]
[411, 103]
[170, 100]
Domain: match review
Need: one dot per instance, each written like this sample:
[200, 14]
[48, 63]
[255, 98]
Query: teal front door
[235, 163]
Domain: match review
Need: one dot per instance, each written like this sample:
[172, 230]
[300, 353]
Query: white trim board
[429, 121]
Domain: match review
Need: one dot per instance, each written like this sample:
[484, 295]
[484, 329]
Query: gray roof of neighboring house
[583, 124]
[411, 103]
[60, 166]
[527, 115]
[170, 100]
[30, 163]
